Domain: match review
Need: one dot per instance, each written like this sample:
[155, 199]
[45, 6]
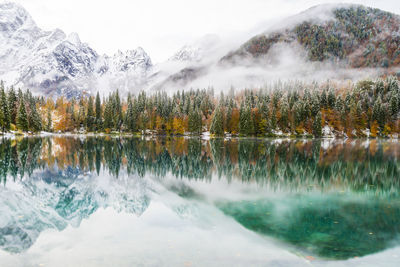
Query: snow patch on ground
[327, 131]
[205, 136]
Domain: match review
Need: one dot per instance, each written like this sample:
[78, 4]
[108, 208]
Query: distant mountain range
[326, 36]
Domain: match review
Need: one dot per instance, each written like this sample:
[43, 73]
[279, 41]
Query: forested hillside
[357, 36]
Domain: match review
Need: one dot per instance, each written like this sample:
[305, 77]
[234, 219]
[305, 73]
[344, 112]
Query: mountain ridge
[324, 37]
[52, 63]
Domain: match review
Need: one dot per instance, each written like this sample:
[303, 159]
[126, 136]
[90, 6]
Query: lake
[136, 201]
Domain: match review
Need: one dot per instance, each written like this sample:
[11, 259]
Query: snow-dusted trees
[22, 117]
[4, 110]
[294, 109]
[217, 122]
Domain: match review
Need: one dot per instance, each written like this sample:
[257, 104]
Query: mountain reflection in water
[333, 199]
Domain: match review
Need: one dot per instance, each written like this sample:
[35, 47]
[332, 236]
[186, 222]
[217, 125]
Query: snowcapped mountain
[125, 71]
[198, 50]
[51, 63]
[134, 61]
[187, 53]
[322, 42]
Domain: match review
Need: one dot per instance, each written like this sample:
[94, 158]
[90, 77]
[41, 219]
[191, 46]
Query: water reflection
[356, 165]
[330, 199]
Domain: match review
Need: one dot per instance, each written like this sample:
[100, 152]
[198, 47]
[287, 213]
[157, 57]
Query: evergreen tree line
[19, 110]
[368, 108]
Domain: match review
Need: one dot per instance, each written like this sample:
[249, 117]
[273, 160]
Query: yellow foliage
[374, 129]
[299, 130]
[387, 130]
[169, 127]
[178, 126]
[159, 123]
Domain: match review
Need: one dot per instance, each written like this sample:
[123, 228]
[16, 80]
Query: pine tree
[108, 116]
[331, 99]
[4, 111]
[49, 120]
[315, 105]
[194, 123]
[35, 120]
[246, 125]
[394, 105]
[22, 117]
[265, 116]
[317, 125]
[229, 118]
[2, 120]
[324, 99]
[81, 113]
[217, 123]
[98, 112]
[90, 115]
[12, 105]
[130, 120]
[378, 113]
[284, 120]
[117, 111]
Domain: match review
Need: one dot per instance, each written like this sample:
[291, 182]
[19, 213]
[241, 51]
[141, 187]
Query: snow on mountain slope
[51, 63]
[125, 71]
[197, 50]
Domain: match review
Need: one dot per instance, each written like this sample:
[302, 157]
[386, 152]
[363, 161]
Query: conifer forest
[368, 108]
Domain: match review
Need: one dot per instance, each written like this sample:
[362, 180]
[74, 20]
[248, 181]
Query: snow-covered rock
[197, 50]
[52, 63]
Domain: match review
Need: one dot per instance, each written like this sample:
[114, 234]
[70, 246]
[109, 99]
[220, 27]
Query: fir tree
[331, 99]
[90, 119]
[35, 121]
[130, 120]
[108, 116]
[117, 111]
[324, 99]
[4, 113]
[217, 122]
[378, 113]
[229, 118]
[317, 125]
[194, 121]
[81, 113]
[12, 105]
[284, 120]
[246, 126]
[98, 112]
[22, 117]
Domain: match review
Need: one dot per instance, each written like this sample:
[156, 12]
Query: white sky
[161, 27]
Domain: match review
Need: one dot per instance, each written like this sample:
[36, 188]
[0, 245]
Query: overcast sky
[163, 26]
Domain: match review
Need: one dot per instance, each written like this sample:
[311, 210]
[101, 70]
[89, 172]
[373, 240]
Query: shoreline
[203, 136]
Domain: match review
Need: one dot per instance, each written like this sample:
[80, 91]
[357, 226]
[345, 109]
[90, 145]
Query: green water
[333, 226]
[188, 201]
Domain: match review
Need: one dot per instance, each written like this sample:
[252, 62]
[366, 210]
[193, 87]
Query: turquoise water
[102, 201]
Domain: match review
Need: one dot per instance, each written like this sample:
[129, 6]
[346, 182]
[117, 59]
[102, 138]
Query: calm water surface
[102, 201]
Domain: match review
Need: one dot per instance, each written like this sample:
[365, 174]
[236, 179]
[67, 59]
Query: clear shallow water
[70, 201]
